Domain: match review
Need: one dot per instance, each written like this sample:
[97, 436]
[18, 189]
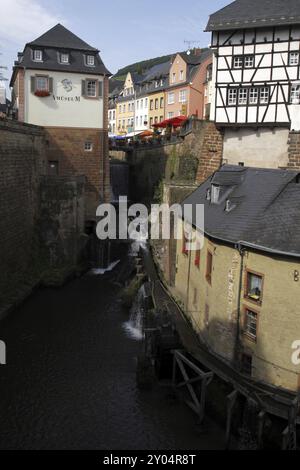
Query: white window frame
[215, 193]
[173, 77]
[90, 61]
[181, 75]
[253, 95]
[295, 93]
[46, 82]
[264, 95]
[183, 96]
[249, 61]
[88, 146]
[251, 322]
[88, 88]
[243, 97]
[37, 52]
[232, 97]
[66, 56]
[294, 58]
[238, 62]
[171, 97]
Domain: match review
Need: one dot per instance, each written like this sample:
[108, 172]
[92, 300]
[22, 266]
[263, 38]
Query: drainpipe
[241, 251]
[188, 282]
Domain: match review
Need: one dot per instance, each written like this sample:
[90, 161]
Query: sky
[125, 32]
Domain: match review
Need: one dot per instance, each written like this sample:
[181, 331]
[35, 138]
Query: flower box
[42, 93]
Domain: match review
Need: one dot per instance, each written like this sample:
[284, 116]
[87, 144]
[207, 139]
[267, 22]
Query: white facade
[112, 121]
[257, 77]
[66, 106]
[141, 114]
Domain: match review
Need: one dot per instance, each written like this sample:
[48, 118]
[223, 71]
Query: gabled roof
[264, 208]
[255, 14]
[61, 37]
[56, 40]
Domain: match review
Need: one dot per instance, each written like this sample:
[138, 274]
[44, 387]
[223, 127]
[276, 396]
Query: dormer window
[215, 193]
[64, 58]
[90, 61]
[38, 55]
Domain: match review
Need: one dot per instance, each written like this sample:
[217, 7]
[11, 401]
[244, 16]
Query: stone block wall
[294, 151]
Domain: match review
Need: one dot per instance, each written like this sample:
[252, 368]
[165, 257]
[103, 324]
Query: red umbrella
[173, 122]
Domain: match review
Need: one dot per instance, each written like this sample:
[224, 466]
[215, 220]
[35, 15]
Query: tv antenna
[191, 44]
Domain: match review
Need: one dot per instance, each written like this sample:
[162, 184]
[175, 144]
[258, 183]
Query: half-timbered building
[256, 48]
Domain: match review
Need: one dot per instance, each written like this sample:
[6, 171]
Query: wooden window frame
[246, 334]
[208, 276]
[246, 288]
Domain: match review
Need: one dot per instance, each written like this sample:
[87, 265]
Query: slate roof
[255, 13]
[265, 208]
[59, 36]
[56, 40]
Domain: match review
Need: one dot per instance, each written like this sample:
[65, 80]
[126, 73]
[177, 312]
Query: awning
[147, 133]
[173, 122]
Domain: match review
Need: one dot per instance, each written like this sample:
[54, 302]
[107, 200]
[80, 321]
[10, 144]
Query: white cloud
[22, 21]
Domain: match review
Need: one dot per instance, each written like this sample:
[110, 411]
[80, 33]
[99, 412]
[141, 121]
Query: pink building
[185, 95]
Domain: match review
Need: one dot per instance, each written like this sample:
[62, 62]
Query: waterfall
[134, 327]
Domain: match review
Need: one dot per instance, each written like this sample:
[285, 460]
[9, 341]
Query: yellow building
[156, 109]
[125, 108]
[241, 290]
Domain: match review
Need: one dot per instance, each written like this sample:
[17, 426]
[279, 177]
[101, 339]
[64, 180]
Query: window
[41, 84]
[151, 105]
[64, 58]
[161, 119]
[209, 265]
[119, 125]
[88, 146]
[145, 120]
[156, 120]
[243, 96]
[173, 77]
[151, 121]
[181, 75]
[90, 60]
[246, 364]
[232, 96]
[264, 95]
[161, 103]
[156, 103]
[146, 102]
[249, 61]
[170, 115]
[91, 88]
[137, 105]
[295, 93]
[294, 58]
[120, 109]
[250, 326]
[238, 62]
[124, 108]
[38, 56]
[215, 193]
[156, 84]
[162, 82]
[142, 104]
[171, 98]
[197, 258]
[253, 96]
[254, 286]
[182, 96]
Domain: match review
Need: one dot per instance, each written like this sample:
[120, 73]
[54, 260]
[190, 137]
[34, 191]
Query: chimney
[197, 51]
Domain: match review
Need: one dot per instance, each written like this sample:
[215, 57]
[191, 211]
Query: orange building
[185, 95]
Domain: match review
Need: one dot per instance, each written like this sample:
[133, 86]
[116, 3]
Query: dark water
[70, 379]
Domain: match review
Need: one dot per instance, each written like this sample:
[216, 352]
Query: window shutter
[100, 89]
[50, 81]
[83, 87]
[33, 84]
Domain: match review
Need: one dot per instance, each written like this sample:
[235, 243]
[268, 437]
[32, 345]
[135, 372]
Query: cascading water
[134, 327]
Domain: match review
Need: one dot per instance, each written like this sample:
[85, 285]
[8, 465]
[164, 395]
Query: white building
[256, 74]
[60, 82]
[141, 113]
